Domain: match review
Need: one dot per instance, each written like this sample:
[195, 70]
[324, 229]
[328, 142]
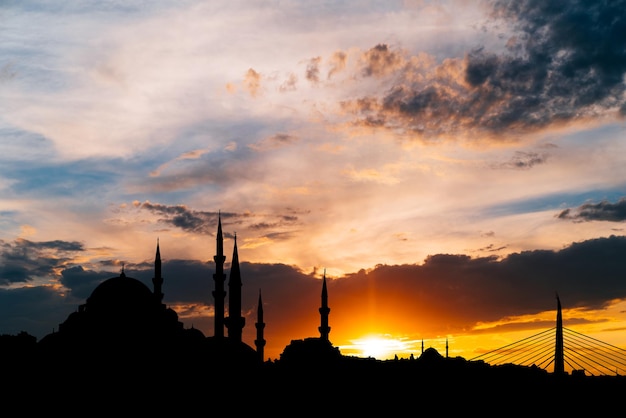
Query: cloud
[569, 52]
[380, 61]
[387, 175]
[459, 292]
[602, 211]
[290, 84]
[82, 282]
[523, 161]
[203, 222]
[23, 261]
[190, 155]
[337, 63]
[182, 217]
[560, 65]
[275, 141]
[252, 81]
[313, 70]
[37, 310]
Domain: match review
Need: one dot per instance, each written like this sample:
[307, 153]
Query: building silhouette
[219, 277]
[231, 349]
[123, 315]
[260, 326]
[324, 310]
[122, 311]
[234, 322]
[314, 351]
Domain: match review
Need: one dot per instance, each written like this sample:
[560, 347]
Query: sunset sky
[451, 165]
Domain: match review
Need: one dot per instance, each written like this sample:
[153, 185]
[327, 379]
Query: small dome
[431, 354]
[194, 334]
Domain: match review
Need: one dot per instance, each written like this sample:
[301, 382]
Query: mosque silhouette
[123, 316]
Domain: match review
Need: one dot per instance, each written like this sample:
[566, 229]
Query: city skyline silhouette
[123, 311]
[124, 337]
[290, 207]
[450, 166]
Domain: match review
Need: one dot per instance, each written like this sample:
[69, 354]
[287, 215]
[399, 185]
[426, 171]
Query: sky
[450, 166]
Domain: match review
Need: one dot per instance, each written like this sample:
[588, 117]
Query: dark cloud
[274, 142]
[202, 222]
[572, 56]
[22, 260]
[290, 84]
[380, 60]
[457, 292]
[80, 282]
[448, 293]
[337, 63]
[602, 211]
[313, 70]
[37, 310]
[566, 61]
[184, 281]
[492, 248]
[184, 218]
[523, 161]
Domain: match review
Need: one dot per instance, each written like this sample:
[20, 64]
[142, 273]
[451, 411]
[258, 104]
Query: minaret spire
[157, 280]
[219, 277]
[260, 326]
[324, 329]
[235, 322]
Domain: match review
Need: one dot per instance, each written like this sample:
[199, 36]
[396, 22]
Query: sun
[380, 348]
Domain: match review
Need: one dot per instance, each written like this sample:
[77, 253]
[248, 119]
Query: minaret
[260, 326]
[157, 280]
[559, 365]
[324, 329]
[235, 322]
[219, 277]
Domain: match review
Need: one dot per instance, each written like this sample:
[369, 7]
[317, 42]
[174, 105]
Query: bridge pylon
[559, 363]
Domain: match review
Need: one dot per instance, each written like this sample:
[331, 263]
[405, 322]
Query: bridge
[561, 350]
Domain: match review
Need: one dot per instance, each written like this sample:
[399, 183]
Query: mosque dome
[123, 295]
[194, 334]
[121, 310]
[431, 354]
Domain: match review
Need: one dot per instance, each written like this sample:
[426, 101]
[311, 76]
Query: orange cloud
[252, 81]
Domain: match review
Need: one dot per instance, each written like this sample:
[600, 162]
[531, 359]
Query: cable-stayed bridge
[561, 350]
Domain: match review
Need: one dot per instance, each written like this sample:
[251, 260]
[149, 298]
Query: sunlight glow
[379, 347]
